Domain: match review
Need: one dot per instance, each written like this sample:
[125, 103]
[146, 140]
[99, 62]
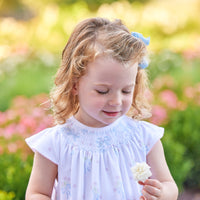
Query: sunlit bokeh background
[32, 37]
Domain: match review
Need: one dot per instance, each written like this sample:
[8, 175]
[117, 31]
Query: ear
[75, 89]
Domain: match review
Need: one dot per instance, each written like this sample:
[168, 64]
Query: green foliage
[50, 22]
[94, 5]
[16, 9]
[176, 65]
[14, 176]
[25, 69]
[34, 75]
[7, 195]
[30, 77]
[175, 151]
[12, 6]
[182, 146]
[166, 62]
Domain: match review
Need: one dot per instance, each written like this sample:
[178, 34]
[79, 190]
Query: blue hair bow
[144, 63]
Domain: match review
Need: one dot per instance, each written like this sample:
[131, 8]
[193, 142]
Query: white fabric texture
[95, 163]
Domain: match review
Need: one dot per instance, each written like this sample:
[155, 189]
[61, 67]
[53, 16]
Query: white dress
[95, 163]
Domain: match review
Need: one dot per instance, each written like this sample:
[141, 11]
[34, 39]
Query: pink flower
[21, 129]
[10, 115]
[189, 92]
[12, 147]
[163, 81]
[169, 98]
[21, 49]
[159, 115]
[9, 131]
[192, 53]
[1, 132]
[38, 112]
[198, 88]
[19, 101]
[29, 122]
[24, 118]
[2, 118]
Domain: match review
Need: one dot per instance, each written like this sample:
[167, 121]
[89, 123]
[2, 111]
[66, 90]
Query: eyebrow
[108, 85]
[100, 84]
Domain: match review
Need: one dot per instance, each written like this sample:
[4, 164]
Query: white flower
[141, 171]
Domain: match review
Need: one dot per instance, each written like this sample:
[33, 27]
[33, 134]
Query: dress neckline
[96, 129]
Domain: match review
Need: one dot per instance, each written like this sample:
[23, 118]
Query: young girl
[88, 155]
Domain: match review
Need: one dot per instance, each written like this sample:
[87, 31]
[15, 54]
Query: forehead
[105, 69]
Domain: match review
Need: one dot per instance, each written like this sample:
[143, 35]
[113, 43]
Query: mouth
[111, 114]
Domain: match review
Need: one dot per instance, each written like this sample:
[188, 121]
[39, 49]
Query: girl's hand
[152, 190]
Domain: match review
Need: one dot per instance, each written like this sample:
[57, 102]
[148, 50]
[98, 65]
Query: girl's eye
[126, 92]
[102, 92]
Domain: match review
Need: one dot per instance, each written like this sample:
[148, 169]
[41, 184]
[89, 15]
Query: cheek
[95, 101]
[128, 101]
[98, 102]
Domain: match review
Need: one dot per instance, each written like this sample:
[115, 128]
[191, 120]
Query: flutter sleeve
[151, 134]
[46, 143]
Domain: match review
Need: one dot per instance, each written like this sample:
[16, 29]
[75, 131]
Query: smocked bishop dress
[95, 163]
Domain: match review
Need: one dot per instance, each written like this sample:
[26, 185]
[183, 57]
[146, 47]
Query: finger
[152, 190]
[153, 183]
[141, 183]
[148, 196]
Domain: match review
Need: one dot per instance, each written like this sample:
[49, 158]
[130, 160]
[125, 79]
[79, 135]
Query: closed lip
[111, 113]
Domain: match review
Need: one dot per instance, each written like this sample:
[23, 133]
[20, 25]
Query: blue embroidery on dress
[96, 197]
[119, 189]
[66, 189]
[87, 165]
[96, 194]
[147, 148]
[103, 142]
[99, 141]
[72, 133]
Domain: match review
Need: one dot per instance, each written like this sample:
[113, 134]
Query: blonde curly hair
[91, 38]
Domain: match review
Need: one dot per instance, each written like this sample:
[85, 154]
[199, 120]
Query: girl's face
[105, 92]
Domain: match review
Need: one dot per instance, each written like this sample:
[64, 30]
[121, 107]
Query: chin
[110, 121]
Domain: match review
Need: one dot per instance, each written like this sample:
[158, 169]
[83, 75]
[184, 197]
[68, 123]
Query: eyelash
[102, 92]
[126, 92]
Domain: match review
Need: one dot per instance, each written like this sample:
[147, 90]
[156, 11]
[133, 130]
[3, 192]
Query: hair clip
[144, 63]
[140, 36]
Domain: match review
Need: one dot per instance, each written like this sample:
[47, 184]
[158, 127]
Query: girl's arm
[42, 179]
[161, 185]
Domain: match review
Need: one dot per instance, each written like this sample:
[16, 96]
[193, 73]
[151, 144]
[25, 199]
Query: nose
[115, 100]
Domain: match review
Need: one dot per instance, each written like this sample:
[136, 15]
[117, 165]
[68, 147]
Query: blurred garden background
[32, 36]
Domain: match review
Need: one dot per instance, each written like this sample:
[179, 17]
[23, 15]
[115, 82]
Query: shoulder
[47, 142]
[150, 128]
[51, 132]
[145, 132]
[143, 126]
